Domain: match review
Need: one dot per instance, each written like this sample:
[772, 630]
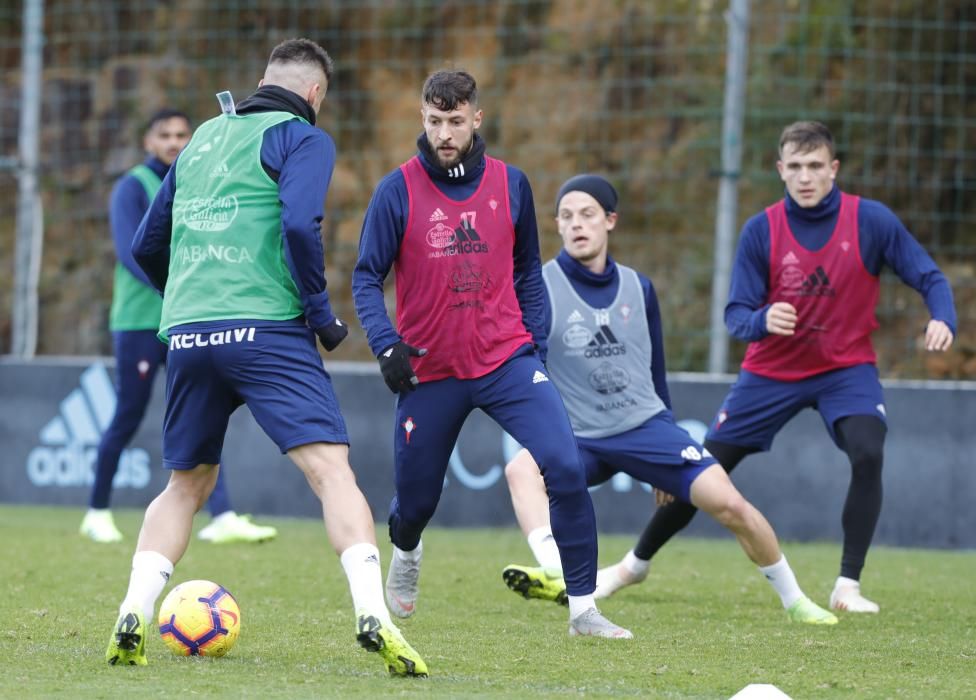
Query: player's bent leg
[714, 493]
[536, 582]
[528, 491]
[348, 519]
[400, 658]
[611, 579]
[168, 522]
[127, 645]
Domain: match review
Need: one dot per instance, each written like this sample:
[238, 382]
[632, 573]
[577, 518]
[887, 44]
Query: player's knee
[731, 510]
[866, 459]
[521, 468]
[193, 485]
[416, 513]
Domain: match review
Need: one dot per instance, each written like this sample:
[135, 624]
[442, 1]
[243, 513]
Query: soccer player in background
[233, 239]
[134, 322]
[606, 358]
[459, 227]
[805, 284]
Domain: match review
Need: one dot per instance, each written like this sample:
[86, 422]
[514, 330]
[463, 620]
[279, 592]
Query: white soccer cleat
[99, 526]
[591, 623]
[848, 598]
[402, 586]
[611, 579]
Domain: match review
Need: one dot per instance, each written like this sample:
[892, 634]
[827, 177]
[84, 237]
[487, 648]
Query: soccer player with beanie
[606, 357]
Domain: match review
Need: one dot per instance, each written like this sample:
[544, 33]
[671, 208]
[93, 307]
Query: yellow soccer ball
[199, 618]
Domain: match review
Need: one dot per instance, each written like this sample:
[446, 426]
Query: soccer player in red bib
[805, 285]
[459, 229]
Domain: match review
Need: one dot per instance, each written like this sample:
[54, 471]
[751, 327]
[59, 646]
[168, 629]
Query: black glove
[395, 365]
[331, 334]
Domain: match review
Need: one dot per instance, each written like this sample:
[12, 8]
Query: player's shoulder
[874, 210]
[127, 184]
[391, 186]
[515, 174]
[298, 132]
[757, 222]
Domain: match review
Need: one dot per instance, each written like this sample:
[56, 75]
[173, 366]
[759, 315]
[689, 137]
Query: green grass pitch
[706, 624]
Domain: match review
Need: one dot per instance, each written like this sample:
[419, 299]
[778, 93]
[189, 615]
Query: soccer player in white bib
[606, 357]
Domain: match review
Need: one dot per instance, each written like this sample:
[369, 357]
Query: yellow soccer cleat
[99, 526]
[806, 611]
[127, 645]
[400, 658]
[231, 527]
[536, 582]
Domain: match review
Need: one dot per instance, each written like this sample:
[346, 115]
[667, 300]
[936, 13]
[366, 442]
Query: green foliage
[706, 623]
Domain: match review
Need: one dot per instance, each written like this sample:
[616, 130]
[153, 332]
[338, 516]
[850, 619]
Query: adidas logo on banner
[790, 259]
[438, 215]
[575, 317]
[539, 377]
[69, 441]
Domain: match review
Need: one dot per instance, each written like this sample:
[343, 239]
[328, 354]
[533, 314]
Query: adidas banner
[53, 412]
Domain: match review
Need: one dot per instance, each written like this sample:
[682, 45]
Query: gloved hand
[395, 365]
[331, 334]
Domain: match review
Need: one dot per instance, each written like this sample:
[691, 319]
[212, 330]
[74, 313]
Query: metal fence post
[30, 226]
[736, 68]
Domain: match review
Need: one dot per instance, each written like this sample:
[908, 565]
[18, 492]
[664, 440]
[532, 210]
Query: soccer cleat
[806, 611]
[98, 525]
[231, 527]
[127, 645]
[536, 582]
[848, 598]
[402, 586]
[400, 658]
[591, 623]
[611, 579]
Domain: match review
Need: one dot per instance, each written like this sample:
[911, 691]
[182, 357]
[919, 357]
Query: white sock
[844, 582]
[781, 576]
[544, 549]
[636, 566]
[413, 555]
[150, 573]
[361, 563]
[579, 604]
[225, 516]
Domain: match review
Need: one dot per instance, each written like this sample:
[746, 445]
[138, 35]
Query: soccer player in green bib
[233, 241]
[134, 322]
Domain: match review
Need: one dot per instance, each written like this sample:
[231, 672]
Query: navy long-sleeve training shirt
[383, 229]
[301, 159]
[126, 207]
[599, 290]
[883, 240]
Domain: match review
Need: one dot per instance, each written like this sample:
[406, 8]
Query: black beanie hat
[595, 186]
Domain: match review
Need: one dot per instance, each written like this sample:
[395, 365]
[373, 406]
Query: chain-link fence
[632, 89]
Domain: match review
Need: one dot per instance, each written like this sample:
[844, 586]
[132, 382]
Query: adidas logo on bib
[539, 377]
